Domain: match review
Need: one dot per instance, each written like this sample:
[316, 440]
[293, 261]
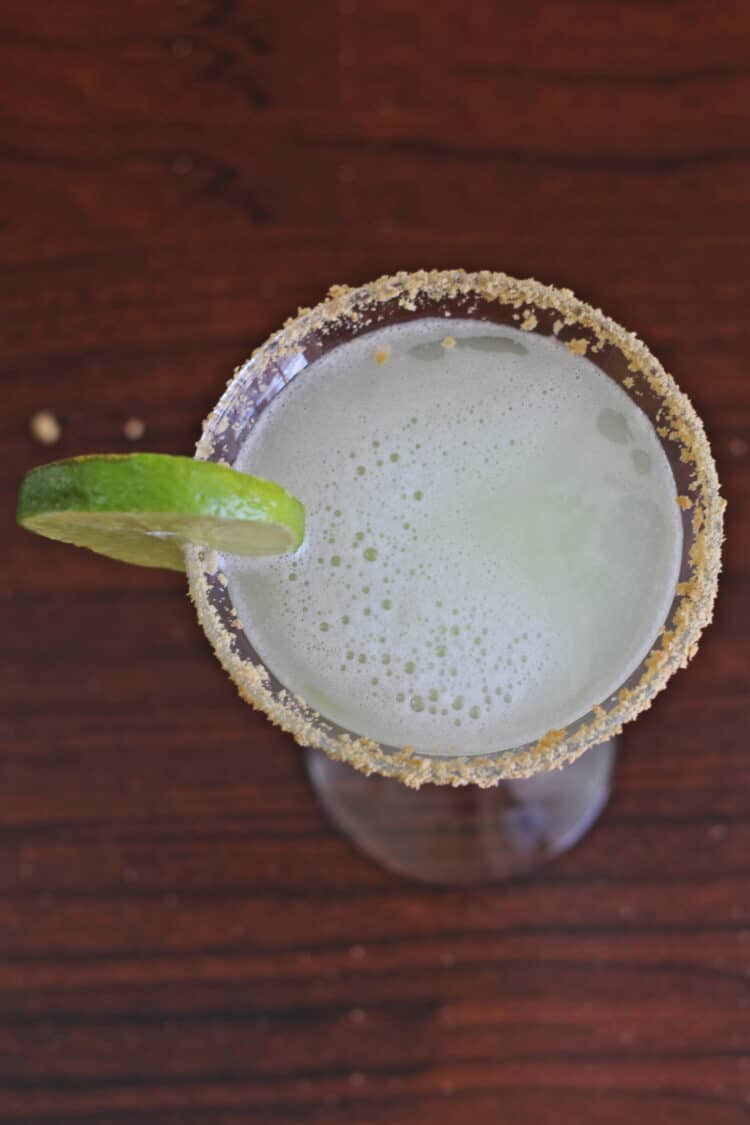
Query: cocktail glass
[467, 819]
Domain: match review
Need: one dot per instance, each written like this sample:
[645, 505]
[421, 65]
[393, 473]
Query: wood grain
[182, 937]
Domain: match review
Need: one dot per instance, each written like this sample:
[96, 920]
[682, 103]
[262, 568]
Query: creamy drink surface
[493, 536]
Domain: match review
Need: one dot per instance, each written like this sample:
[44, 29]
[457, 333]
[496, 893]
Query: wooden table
[182, 937]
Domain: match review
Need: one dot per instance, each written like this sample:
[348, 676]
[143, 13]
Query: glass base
[460, 837]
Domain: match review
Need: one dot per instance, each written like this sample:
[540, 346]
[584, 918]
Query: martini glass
[465, 819]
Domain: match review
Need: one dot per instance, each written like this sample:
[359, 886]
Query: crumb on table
[134, 429]
[45, 427]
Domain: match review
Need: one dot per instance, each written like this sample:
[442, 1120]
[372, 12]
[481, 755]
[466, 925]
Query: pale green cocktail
[493, 536]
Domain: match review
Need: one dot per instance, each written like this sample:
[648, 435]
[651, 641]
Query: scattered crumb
[529, 322]
[557, 326]
[448, 342]
[685, 502]
[628, 381]
[382, 355]
[578, 347]
[45, 427]
[338, 291]
[134, 429]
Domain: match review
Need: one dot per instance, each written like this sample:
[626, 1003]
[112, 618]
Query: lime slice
[145, 507]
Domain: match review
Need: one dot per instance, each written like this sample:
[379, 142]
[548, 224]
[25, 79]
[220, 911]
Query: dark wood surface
[182, 937]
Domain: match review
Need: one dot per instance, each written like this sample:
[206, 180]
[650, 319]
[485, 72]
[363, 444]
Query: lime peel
[144, 508]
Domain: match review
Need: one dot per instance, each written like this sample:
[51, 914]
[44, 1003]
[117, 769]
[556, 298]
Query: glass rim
[585, 330]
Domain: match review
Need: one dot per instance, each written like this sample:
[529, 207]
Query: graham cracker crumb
[578, 347]
[45, 427]
[134, 429]
[447, 342]
[382, 356]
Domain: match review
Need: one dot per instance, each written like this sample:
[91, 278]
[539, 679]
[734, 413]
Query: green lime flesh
[144, 508]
